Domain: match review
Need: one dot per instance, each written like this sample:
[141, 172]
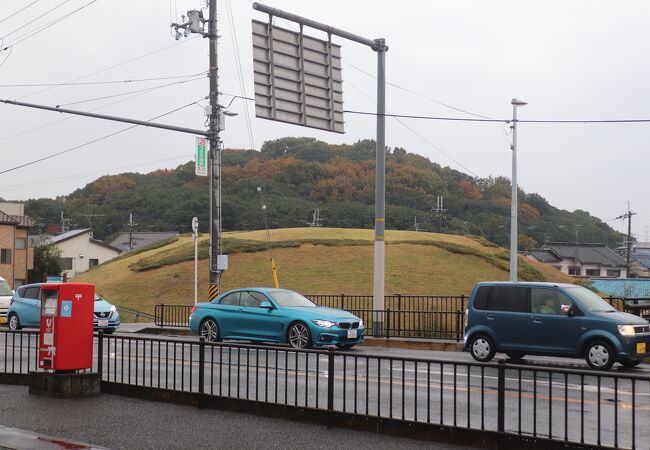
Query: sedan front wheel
[299, 335]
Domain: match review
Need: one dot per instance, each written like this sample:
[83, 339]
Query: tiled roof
[6, 218]
[621, 287]
[24, 221]
[644, 260]
[141, 239]
[586, 253]
[68, 235]
[544, 255]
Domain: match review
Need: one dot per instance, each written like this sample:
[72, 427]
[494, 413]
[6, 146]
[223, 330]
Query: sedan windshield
[590, 300]
[289, 299]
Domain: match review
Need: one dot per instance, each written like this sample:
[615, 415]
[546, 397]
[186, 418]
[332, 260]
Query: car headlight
[113, 308]
[626, 330]
[360, 323]
[324, 323]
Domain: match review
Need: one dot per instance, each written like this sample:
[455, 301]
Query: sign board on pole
[297, 78]
[201, 160]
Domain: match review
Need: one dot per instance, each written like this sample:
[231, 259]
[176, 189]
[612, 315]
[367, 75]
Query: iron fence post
[387, 320]
[342, 300]
[330, 380]
[100, 353]
[399, 316]
[458, 325]
[162, 315]
[201, 365]
[501, 391]
[462, 301]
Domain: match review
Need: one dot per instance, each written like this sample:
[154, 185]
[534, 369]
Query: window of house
[593, 272]
[614, 272]
[5, 256]
[92, 262]
[21, 243]
[575, 270]
[66, 263]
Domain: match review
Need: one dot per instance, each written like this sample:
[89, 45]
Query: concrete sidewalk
[126, 423]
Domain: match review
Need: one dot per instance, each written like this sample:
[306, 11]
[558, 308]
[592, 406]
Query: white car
[5, 299]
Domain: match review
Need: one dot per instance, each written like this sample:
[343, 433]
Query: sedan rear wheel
[299, 335]
[14, 323]
[209, 330]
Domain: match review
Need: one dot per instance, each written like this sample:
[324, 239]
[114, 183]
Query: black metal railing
[604, 409]
[172, 315]
[401, 302]
[574, 406]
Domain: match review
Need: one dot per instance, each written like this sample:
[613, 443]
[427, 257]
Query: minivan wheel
[14, 322]
[599, 355]
[482, 348]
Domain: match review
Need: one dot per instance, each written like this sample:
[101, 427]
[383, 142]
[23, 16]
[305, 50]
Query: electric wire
[240, 76]
[87, 174]
[90, 83]
[34, 20]
[130, 92]
[446, 105]
[19, 11]
[92, 141]
[45, 27]
[70, 117]
[114, 66]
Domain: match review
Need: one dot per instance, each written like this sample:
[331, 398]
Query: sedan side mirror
[266, 305]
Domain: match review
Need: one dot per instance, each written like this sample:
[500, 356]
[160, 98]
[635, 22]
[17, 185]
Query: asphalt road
[447, 388]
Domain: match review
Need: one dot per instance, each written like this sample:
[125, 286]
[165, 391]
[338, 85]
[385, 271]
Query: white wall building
[81, 252]
[581, 260]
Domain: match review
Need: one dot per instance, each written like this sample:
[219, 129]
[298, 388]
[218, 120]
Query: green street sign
[201, 160]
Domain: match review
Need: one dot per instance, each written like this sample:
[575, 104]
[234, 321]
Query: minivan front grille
[642, 328]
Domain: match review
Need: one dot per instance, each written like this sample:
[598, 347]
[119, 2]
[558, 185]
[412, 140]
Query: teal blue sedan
[275, 315]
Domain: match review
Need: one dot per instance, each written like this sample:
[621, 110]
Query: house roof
[69, 235]
[19, 221]
[74, 233]
[586, 253]
[623, 287]
[7, 219]
[644, 260]
[544, 255]
[140, 239]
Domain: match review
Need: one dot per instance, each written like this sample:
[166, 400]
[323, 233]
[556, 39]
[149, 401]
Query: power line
[130, 92]
[45, 27]
[19, 11]
[83, 175]
[93, 140]
[34, 20]
[90, 83]
[466, 119]
[417, 93]
[114, 66]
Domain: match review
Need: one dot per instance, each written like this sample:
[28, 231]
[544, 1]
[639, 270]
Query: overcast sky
[568, 60]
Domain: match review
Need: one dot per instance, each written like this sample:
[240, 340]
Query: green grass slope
[311, 260]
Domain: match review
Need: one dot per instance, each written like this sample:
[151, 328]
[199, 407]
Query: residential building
[80, 251]
[133, 240]
[627, 288]
[16, 255]
[581, 260]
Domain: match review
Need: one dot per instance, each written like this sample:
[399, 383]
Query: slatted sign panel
[297, 78]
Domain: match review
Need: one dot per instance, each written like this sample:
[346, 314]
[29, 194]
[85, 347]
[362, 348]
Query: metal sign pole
[380, 194]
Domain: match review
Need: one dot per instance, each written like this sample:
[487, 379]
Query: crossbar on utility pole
[379, 46]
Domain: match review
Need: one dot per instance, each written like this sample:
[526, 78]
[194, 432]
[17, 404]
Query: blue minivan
[550, 319]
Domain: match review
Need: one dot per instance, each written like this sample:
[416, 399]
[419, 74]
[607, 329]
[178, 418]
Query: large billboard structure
[297, 78]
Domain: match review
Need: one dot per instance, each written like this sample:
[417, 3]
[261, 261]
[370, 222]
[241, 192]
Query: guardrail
[539, 404]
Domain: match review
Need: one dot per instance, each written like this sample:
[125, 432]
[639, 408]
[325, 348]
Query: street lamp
[513, 203]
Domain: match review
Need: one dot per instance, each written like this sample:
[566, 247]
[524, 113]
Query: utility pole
[628, 245]
[513, 202]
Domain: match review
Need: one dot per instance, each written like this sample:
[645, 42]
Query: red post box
[66, 339]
